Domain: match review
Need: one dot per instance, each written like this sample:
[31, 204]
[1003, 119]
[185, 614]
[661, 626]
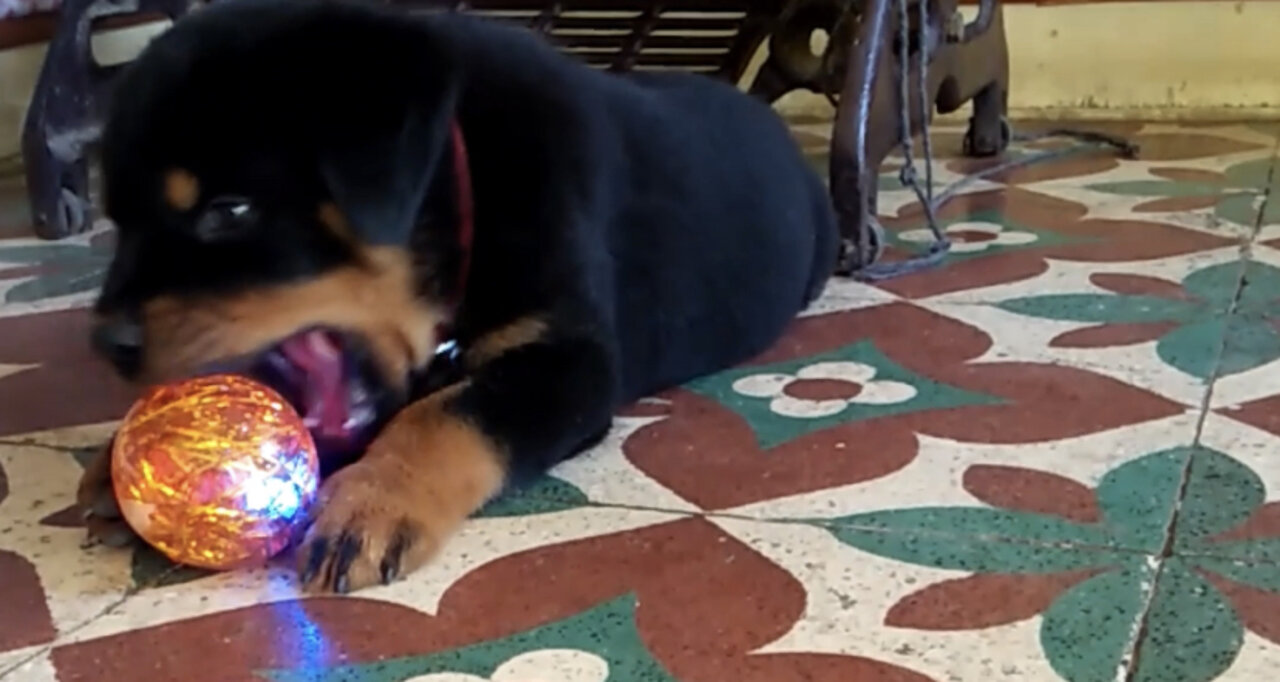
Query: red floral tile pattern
[57, 381]
[834, 421]
[1027, 403]
[21, 593]
[697, 634]
[1078, 238]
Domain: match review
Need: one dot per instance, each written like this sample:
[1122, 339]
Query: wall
[1201, 58]
[1155, 60]
[1161, 59]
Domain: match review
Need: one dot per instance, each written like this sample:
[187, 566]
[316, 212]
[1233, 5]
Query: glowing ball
[215, 472]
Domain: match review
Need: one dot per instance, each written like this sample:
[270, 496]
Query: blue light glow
[274, 496]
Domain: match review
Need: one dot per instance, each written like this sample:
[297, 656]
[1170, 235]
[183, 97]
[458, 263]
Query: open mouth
[333, 385]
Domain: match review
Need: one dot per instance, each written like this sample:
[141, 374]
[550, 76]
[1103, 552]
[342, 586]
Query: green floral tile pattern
[1215, 306]
[60, 269]
[1012, 543]
[548, 494]
[1192, 632]
[1087, 631]
[605, 632]
[773, 428]
[981, 233]
[1137, 500]
[1222, 494]
[1239, 192]
[1155, 571]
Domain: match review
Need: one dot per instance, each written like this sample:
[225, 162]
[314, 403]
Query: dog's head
[266, 163]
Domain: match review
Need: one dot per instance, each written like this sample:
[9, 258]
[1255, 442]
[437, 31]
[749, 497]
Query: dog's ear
[377, 158]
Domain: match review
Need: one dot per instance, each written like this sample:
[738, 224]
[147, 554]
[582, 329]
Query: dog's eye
[225, 217]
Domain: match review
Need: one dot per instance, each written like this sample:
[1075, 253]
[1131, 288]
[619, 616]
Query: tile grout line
[22, 443]
[827, 524]
[125, 596]
[1129, 664]
[17, 665]
[1266, 189]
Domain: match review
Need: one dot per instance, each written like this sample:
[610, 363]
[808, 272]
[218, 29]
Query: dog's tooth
[322, 345]
[359, 417]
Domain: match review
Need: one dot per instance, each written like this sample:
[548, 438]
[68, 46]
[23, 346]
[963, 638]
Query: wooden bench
[859, 70]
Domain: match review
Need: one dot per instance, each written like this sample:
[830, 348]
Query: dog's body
[281, 171]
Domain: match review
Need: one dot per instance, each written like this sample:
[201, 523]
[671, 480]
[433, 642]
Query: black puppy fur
[632, 232]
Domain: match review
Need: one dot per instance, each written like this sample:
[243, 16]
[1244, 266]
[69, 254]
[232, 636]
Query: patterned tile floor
[1055, 458]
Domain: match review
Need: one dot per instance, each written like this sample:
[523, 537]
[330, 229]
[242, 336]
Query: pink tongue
[324, 404]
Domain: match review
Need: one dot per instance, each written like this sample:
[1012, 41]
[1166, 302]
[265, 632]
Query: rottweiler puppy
[455, 249]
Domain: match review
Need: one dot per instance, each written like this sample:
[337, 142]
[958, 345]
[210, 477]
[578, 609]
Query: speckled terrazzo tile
[1215, 612]
[958, 609]
[1216, 609]
[1012, 236]
[15, 214]
[84, 436]
[27, 665]
[1249, 364]
[983, 610]
[979, 510]
[50, 380]
[1164, 319]
[49, 585]
[1231, 507]
[1202, 625]
[1114, 489]
[1271, 128]
[797, 419]
[1209, 178]
[667, 599]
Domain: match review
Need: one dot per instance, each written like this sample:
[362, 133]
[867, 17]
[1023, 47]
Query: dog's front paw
[388, 513]
[96, 499]
[370, 528]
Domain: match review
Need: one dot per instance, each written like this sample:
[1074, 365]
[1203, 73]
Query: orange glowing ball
[215, 472]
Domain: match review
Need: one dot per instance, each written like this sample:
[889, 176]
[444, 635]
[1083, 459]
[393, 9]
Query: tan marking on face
[419, 481]
[522, 332]
[375, 298]
[332, 218]
[181, 189]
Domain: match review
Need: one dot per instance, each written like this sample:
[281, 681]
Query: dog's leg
[443, 457]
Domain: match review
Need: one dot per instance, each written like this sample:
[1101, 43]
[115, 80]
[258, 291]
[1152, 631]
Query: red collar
[464, 206]
[464, 213]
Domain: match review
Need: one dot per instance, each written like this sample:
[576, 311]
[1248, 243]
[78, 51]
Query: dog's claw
[105, 506]
[361, 536]
[347, 550]
[313, 560]
[388, 572]
[389, 568]
[107, 532]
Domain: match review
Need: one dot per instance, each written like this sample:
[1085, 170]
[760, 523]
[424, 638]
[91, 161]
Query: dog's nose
[118, 338]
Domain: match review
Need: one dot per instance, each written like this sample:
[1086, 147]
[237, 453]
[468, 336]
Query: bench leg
[868, 125]
[988, 133]
[64, 118]
[858, 139]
